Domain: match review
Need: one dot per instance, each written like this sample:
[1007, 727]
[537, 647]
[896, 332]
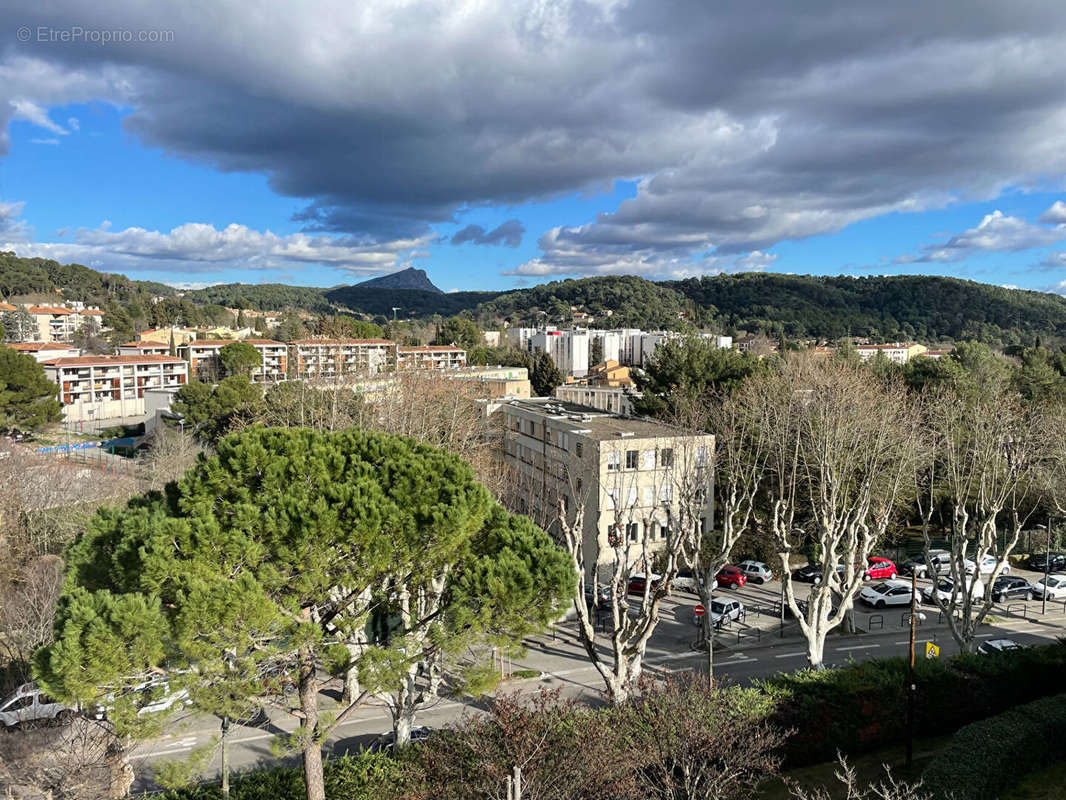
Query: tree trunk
[314, 780]
[225, 758]
[815, 647]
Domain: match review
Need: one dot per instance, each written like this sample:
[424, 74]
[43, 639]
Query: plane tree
[258, 565]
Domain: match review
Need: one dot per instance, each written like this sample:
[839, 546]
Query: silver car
[756, 571]
[29, 704]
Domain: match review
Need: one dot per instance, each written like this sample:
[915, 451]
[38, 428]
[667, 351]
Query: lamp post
[912, 685]
[1047, 569]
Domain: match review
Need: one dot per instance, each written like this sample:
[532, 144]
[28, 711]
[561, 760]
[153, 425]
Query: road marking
[790, 655]
[905, 641]
[856, 647]
[983, 635]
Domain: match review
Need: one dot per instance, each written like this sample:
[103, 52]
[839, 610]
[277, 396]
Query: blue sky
[558, 139]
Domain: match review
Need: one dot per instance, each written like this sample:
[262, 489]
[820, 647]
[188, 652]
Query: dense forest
[928, 309]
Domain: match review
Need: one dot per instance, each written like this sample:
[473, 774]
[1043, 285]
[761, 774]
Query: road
[756, 649]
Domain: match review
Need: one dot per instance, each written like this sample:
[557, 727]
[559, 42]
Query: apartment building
[568, 349]
[898, 353]
[166, 335]
[59, 323]
[493, 382]
[431, 357]
[632, 475]
[205, 363]
[337, 358]
[111, 387]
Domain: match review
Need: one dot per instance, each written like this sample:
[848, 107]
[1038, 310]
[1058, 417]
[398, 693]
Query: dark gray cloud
[508, 234]
[743, 129]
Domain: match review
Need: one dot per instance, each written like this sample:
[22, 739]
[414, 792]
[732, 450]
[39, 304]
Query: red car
[731, 578]
[878, 568]
[637, 583]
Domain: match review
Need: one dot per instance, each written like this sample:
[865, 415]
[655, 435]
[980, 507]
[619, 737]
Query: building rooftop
[335, 342]
[594, 423]
[105, 361]
[224, 342]
[432, 348]
[49, 310]
[146, 345]
[37, 347]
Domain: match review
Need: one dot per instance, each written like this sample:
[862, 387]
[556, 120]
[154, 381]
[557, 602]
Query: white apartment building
[613, 399]
[336, 358]
[632, 475]
[145, 348]
[899, 353]
[568, 349]
[59, 323]
[431, 357]
[205, 363]
[46, 351]
[111, 387]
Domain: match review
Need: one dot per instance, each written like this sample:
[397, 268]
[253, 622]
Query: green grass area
[869, 767]
[1045, 784]
[526, 673]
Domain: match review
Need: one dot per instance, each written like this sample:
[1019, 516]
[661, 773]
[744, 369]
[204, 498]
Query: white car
[723, 611]
[686, 581]
[945, 589]
[988, 566]
[756, 571]
[29, 704]
[1055, 588]
[887, 593]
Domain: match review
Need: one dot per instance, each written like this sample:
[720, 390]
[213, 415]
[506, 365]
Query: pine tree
[545, 376]
[27, 398]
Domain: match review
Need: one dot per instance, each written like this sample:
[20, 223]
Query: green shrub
[365, 776]
[986, 757]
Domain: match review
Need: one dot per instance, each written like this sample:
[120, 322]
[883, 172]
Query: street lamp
[912, 686]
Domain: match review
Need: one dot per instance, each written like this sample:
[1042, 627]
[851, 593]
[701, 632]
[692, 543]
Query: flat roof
[597, 424]
[105, 361]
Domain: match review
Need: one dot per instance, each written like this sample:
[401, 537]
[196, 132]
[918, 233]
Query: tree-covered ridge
[919, 307]
[21, 276]
[409, 302]
[262, 297]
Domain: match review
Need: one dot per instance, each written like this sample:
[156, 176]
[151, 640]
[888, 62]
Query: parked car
[1053, 588]
[923, 565]
[723, 611]
[1038, 562]
[812, 573]
[1011, 587]
[639, 581]
[686, 580]
[756, 571]
[28, 704]
[730, 578]
[886, 593]
[945, 589]
[988, 566]
[998, 646]
[601, 598]
[878, 568]
[387, 742]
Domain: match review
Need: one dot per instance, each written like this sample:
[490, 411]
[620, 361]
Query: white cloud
[1054, 260]
[756, 260]
[1055, 215]
[996, 233]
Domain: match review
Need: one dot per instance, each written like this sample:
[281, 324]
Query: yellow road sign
[931, 650]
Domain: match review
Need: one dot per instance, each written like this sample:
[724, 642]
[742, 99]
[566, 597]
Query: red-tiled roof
[334, 342]
[104, 361]
[145, 345]
[7, 307]
[36, 347]
[432, 348]
[92, 311]
[224, 342]
[49, 310]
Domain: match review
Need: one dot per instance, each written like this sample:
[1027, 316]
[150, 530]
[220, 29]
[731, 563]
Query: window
[631, 459]
[666, 457]
[578, 449]
[613, 461]
[578, 486]
[647, 459]
[647, 496]
[566, 503]
[631, 497]
[701, 456]
[632, 531]
[666, 493]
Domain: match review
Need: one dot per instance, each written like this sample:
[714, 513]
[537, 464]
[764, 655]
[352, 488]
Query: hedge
[862, 707]
[987, 757]
[363, 776]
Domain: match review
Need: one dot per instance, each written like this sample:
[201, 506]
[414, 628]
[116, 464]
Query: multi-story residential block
[495, 382]
[337, 358]
[899, 353]
[59, 323]
[568, 349]
[633, 477]
[431, 357]
[111, 387]
[205, 363]
[614, 399]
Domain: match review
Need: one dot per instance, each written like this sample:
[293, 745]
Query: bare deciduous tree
[888, 788]
[840, 447]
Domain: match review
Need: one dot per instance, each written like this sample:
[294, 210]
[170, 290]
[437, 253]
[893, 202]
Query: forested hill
[895, 307]
[929, 309]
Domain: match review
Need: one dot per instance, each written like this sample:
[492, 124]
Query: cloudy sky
[504, 144]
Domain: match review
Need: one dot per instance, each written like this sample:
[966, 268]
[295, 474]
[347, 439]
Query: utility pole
[1047, 569]
[911, 686]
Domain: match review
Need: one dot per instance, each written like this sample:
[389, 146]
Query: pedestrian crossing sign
[931, 650]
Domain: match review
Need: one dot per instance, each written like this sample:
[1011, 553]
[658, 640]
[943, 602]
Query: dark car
[1038, 562]
[1011, 587]
[812, 573]
[923, 567]
[387, 743]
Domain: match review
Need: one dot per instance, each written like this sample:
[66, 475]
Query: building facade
[431, 357]
[632, 476]
[205, 363]
[46, 351]
[898, 353]
[613, 399]
[336, 358]
[111, 387]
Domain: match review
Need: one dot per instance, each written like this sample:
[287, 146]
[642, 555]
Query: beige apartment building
[205, 363]
[59, 323]
[145, 348]
[493, 382]
[336, 358]
[111, 387]
[898, 353]
[633, 476]
[431, 357]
